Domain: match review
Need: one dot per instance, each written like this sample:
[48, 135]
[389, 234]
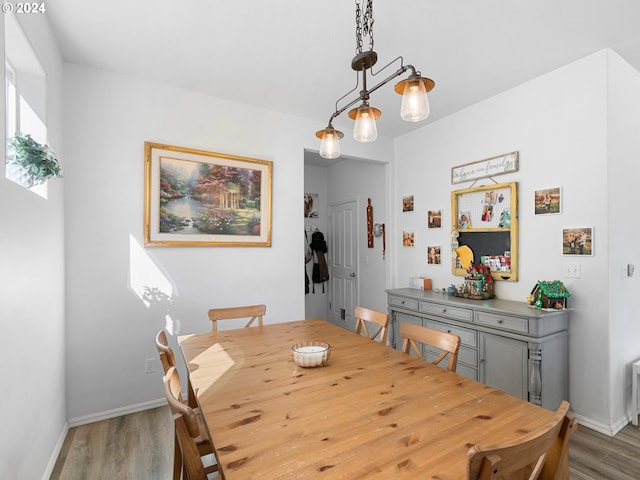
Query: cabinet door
[468, 353]
[503, 364]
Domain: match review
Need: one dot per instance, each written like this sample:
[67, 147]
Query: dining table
[370, 412]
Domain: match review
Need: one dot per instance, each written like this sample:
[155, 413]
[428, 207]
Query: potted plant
[38, 162]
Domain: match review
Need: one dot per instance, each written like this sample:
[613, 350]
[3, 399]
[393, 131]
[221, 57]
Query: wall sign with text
[489, 167]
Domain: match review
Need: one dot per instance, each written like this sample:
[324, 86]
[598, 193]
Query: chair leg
[177, 459]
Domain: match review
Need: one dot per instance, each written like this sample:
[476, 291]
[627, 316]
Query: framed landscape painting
[199, 198]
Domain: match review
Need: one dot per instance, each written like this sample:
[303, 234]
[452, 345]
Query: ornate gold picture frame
[205, 199]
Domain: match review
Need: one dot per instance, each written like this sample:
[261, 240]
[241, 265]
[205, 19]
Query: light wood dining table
[371, 412]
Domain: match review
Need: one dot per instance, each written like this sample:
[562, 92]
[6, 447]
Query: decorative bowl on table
[311, 354]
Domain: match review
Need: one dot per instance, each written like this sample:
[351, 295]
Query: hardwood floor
[594, 456]
[140, 447]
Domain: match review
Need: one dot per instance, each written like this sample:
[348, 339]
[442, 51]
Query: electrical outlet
[572, 270]
[150, 365]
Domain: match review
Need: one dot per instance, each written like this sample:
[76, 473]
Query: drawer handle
[444, 310]
[402, 302]
[500, 321]
[448, 331]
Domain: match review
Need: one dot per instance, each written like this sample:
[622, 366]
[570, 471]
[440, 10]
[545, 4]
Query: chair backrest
[167, 358]
[523, 459]
[364, 315]
[186, 427]
[448, 343]
[556, 466]
[253, 312]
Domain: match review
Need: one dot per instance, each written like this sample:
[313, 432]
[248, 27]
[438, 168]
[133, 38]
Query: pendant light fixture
[414, 89]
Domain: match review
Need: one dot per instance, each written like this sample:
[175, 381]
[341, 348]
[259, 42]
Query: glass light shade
[365, 129]
[330, 144]
[415, 103]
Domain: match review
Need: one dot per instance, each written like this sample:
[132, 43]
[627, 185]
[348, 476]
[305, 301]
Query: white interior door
[343, 262]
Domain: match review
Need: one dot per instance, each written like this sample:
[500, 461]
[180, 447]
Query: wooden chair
[364, 315]
[557, 465]
[168, 360]
[522, 460]
[252, 312]
[192, 442]
[447, 342]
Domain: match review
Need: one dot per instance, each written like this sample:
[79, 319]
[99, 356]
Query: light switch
[572, 270]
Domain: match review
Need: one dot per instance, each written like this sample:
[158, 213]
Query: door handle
[352, 274]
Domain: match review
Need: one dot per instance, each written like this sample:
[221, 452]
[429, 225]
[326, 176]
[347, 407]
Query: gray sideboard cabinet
[505, 344]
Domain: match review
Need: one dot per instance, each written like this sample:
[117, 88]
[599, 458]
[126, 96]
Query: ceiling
[294, 56]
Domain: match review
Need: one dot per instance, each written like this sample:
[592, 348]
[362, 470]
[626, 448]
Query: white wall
[558, 123]
[32, 295]
[623, 154]
[110, 329]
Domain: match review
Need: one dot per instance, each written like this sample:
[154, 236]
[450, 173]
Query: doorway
[338, 182]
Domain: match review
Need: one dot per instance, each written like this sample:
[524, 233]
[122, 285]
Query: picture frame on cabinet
[577, 241]
[206, 199]
[547, 201]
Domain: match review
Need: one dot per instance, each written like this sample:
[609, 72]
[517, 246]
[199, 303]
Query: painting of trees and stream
[207, 198]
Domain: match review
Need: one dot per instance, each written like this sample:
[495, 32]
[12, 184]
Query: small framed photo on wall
[547, 201]
[434, 219]
[434, 256]
[311, 204]
[577, 241]
[408, 238]
[407, 203]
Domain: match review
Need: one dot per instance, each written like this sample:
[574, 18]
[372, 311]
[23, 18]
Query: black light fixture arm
[364, 93]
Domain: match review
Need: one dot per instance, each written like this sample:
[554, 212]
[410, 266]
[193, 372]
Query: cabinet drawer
[467, 337]
[403, 302]
[503, 322]
[465, 355]
[455, 313]
[467, 371]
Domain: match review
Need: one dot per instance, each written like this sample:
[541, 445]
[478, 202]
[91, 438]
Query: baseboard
[56, 452]
[610, 430]
[116, 412]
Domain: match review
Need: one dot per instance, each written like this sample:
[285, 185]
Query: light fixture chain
[368, 23]
[358, 29]
[364, 25]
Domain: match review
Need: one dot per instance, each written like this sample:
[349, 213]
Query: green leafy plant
[38, 161]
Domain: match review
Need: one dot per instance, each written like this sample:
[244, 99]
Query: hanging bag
[320, 272]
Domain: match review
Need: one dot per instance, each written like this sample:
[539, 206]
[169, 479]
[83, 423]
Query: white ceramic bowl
[311, 354]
